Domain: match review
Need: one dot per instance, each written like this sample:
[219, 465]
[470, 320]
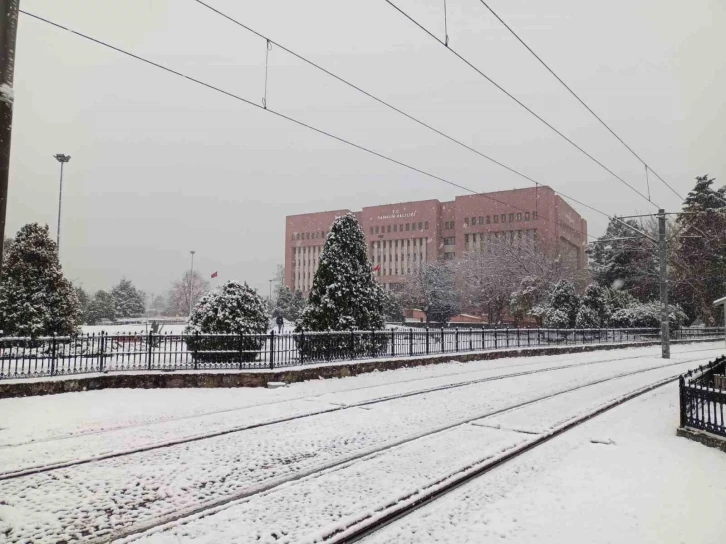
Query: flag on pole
[377, 267]
[214, 275]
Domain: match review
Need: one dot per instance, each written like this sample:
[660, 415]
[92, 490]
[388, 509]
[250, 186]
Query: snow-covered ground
[622, 477]
[265, 481]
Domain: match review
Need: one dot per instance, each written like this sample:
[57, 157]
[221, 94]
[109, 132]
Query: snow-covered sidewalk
[622, 477]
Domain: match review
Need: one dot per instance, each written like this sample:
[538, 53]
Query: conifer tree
[101, 306]
[35, 298]
[130, 302]
[344, 295]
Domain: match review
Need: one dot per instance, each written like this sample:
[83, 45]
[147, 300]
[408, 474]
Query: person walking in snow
[280, 322]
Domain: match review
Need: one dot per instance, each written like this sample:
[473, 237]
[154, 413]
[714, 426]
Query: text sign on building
[397, 214]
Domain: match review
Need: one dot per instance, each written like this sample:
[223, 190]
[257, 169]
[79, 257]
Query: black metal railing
[91, 353]
[703, 397]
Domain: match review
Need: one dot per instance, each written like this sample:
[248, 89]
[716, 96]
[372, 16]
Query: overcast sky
[161, 166]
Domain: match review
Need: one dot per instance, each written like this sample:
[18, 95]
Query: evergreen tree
[83, 300]
[232, 308]
[432, 289]
[35, 298]
[288, 304]
[699, 263]
[562, 306]
[102, 306]
[345, 295]
[595, 310]
[624, 260]
[130, 302]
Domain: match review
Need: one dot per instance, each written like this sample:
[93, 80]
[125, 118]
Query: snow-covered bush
[35, 298]
[595, 309]
[233, 308]
[562, 306]
[647, 314]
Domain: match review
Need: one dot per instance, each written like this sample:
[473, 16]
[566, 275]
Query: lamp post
[270, 297]
[191, 284]
[62, 159]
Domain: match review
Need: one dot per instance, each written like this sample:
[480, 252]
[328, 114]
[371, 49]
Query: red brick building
[402, 236]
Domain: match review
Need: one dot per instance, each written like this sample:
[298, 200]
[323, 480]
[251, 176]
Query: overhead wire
[580, 100]
[391, 106]
[519, 102]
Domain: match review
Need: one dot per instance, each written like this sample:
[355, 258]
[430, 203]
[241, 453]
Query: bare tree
[179, 294]
[432, 289]
[489, 274]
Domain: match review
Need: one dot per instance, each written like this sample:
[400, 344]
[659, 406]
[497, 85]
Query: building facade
[401, 237]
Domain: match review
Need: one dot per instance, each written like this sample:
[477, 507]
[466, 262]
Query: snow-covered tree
[232, 308]
[344, 295]
[647, 314]
[179, 294]
[562, 305]
[83, 301]
[101, 306]
[432, 289]
[595, 309]
[130, 302]
[35, 298]
[698, 260]
[288, 303]
[523, 300]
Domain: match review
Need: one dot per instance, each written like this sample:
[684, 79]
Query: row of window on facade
[421, 225]
[315, 235]
[493, 219]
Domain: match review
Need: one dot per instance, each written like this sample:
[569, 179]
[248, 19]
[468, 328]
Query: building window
[496, 219]
[400, 227]
[376, 230]
[388, 228]
[408, 243]
[519, 216]
[526, 216]
[489, 219]
[481, 219]
[395, 228]
[408, 226]
[420, 225]
[466, 238]
[504, 218]
[450, 241]
[466, 221]
[473, 221]
[534, 216]
[511, 218]
[426, 225]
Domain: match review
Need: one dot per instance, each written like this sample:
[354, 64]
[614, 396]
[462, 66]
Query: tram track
[409, 504]
[39, 469]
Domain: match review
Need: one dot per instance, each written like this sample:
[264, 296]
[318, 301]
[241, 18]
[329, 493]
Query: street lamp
[62, 159]
[191, 283]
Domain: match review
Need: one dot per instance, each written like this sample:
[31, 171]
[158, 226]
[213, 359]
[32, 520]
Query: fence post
[374, 351]
[483, 336]
[471, 339]
[149, 345]
[410, 342]
[352, 345]
[456, 339]
[272, 349]
[101, 352]
[506, 331]
[518, 343]
[427, 339]
[682, 398]
[195, 350]
[393, 343]
[240, 349]
[443, 346]
[496, 330]
[302, 346]
[53, 349]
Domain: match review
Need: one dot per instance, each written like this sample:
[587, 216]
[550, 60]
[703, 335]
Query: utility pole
[8, 33]
[663, 269]
[62, 159]
[191, 284]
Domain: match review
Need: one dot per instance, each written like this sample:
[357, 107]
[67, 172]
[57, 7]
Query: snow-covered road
[239, 473]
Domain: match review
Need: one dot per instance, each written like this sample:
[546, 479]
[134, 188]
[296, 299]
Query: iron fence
[92, 353]
[703, 397]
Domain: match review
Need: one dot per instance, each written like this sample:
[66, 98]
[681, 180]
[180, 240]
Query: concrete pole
[662, 257]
